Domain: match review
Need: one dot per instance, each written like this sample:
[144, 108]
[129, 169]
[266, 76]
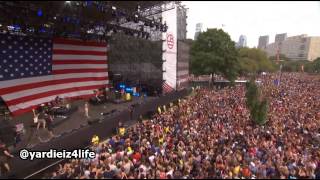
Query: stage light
[31, 30]
[88, 3]
[129, 90]
[91, 31]
[122, 86]
[54, 17]
[114, 11]
[138, 8]
[39, 13]
[68, 2]
[14, 27]
[42, 30]
[136, 18]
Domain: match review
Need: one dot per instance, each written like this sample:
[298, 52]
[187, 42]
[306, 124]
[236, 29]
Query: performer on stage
[86, 109]
[4, 157]
[49, 120]
[38, 119]
[97, 95]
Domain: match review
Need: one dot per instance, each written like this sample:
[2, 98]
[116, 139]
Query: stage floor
[76, 120]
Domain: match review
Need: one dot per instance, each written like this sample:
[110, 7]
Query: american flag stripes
[167, 88]
[35, 71]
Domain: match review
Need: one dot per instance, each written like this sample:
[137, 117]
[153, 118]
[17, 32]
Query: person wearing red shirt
[246, 172]
[136, 156]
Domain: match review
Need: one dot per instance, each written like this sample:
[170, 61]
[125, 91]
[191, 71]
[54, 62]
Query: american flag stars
[20, 57]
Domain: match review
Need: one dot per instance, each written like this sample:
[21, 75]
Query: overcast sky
[253, 19]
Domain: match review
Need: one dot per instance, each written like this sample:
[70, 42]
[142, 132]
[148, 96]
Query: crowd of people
[210, 135]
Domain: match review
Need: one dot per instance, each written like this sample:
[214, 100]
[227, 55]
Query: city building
[198, 30]
[263, 42]
[242, 41]
[280, 37]
[301, 47]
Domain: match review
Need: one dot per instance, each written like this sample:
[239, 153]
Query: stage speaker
[93, 121]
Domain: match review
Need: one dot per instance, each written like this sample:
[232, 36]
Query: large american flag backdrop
[36, 70]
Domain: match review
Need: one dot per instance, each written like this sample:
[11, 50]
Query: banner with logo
[169, 47]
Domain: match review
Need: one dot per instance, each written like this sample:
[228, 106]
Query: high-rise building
[299, 47]
[263, 42]
[198, 30]
[280, 37]
[242, 41]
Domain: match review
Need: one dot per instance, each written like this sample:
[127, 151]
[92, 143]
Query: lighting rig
[87, 20]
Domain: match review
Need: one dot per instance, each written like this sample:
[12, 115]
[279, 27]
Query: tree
[293, 66]
[214, 53]
[258, 109]
[247, 66]
[313, 67]
[281, 57]
[252, 94]
[253, 60]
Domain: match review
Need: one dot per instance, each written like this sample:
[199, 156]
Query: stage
[76, 133]
[74, 121]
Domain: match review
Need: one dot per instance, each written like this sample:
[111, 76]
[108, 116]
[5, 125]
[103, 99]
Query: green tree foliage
[247, 66]
[253, 60]
[313, 67]
[252, 94]
[258, 109]
[281, 57]
[262, 112]
[293, 66]
[214, 53]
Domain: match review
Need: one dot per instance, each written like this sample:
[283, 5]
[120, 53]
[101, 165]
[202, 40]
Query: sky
[254, 19]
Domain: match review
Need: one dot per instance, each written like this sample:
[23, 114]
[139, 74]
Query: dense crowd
[210, 135]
